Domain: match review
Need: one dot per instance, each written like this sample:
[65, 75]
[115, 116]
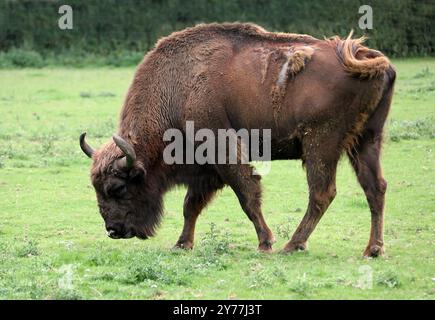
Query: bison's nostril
[111, 233]
[114, 231]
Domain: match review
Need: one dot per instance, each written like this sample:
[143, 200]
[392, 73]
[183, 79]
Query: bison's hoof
[186, 245]
[265, 247]
[294, 247]
[374, 251]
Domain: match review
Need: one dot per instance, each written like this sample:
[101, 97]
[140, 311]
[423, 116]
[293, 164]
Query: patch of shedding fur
[296, 58]
[265, 62]
[283, 73]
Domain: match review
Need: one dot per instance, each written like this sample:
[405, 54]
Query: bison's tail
[359, 60]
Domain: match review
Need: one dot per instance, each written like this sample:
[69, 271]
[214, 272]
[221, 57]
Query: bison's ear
[137, 172]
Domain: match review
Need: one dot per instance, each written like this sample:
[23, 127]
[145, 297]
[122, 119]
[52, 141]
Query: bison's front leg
[194, 202]
[248, 190]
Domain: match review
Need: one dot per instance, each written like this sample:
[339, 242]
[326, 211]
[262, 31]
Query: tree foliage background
[400, 27]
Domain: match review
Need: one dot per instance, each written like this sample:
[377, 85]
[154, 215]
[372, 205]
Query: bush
[401, 27]
[21, 58]
[125, 59]
[411, 129]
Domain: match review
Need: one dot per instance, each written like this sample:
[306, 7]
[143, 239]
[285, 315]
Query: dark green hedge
[401, 27]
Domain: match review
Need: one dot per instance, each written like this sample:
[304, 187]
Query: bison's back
[241, 76]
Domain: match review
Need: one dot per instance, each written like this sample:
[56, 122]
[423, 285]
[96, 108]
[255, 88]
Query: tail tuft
[359, 60]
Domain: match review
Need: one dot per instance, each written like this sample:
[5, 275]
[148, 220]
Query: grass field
[53, 244]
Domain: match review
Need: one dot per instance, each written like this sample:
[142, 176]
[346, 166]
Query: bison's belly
[286, 149]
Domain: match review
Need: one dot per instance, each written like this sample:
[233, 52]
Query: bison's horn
[127, 148]
[85, 147]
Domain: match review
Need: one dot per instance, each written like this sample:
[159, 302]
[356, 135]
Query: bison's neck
[148, 112]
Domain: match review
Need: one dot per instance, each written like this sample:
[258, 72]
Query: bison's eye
[118, 191]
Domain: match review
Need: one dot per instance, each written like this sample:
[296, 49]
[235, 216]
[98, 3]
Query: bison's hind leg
[365, 159]
[321, 155]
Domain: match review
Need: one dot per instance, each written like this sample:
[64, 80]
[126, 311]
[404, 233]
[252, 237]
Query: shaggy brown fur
[320, 98]
[236, 31]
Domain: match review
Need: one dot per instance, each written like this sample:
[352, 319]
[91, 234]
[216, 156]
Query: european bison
[319, 98]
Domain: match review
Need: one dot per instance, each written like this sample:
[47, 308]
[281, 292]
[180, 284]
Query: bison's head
[119, 181]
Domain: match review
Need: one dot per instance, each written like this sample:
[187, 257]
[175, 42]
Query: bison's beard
[141, 235]
[148, 217]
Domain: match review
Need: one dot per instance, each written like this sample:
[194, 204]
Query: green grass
[52, 239]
